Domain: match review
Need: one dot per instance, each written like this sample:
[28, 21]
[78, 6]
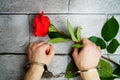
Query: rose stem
[111, 61]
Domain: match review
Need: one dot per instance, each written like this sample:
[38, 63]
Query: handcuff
[37, 63]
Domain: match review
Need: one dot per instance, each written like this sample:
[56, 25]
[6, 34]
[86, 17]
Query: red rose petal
[41, 25]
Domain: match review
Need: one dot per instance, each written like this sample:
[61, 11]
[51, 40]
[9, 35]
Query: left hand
[40, 52]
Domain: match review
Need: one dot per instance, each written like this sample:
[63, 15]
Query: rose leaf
[110, 29]
[113, 45]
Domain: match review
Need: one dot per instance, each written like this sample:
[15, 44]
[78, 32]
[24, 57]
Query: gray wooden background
[16, 22]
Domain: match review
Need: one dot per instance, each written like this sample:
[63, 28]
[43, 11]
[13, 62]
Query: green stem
[111, 61]
[63, 33]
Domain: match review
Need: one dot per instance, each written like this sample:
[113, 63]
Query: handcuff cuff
[46, 72]
[50, 73]
[46, 68]
[37, 63]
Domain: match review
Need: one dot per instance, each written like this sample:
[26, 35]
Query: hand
[40, 52]
[88, 57]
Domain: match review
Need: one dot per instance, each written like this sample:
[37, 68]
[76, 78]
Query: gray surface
[91, 24]
[57, 67]
[14, 33]
[12, 67]
[95, 6]
[32, 6]
[114, 57]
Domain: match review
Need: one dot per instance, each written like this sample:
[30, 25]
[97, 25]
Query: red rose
[41, 25]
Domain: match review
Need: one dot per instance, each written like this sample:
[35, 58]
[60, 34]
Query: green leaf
[57, 40]
[105, 69]
[71, 67]
[117, 71]
[98, 41]
[53, 33]
[52, 28]
[79, 33]
[110, 78]
[113, 45]
[110, 29]
[71, 32]
[56, 35]
[77, 45]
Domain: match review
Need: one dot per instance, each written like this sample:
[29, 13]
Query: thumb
[51, 51]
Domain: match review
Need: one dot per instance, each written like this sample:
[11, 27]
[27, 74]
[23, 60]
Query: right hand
[88, 57]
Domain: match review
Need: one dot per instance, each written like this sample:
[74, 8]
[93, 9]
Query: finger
[99, 48]
[29, 52]
[85, 41]
[45, 47]
[51, 51]
[29, 46]
[75, 53]
[38, 43]
[48, 49]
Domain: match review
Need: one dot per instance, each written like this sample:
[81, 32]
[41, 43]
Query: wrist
[86, 68]
[37, 65]
[90, 74]
[34, 72]
[37, 68]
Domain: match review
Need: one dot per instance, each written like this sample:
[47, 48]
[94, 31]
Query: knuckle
[41, 43]
[88, 45]
[38, 48]
[46, 45]
[33, 48]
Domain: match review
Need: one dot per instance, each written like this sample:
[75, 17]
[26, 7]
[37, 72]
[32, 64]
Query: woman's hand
[88, 57]
[40, 52]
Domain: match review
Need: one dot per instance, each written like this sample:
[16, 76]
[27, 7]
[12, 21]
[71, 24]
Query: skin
[88, 57]
[38, 52]
[85, 59]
